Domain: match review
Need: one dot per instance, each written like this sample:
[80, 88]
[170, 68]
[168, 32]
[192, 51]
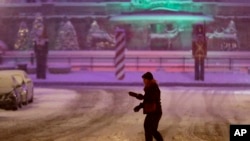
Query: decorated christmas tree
[98, 38]
[66, 38]
[23, 41]
[59, 39]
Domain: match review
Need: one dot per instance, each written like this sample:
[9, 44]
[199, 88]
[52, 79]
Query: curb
[140, 84]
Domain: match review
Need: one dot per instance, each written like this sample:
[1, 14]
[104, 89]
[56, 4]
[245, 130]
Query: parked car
[27, 85]
[10, 98]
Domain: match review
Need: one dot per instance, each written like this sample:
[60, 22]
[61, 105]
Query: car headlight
[8, 96]
[12, 94]
[24, 92]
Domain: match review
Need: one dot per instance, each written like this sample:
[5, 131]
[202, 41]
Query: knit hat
[148, 75]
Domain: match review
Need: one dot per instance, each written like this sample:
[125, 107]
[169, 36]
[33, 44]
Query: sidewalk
[87, 78]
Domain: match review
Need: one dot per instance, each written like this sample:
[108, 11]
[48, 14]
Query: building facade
[229, 30]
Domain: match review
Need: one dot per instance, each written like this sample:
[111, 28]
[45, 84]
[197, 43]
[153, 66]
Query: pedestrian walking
[151, 106]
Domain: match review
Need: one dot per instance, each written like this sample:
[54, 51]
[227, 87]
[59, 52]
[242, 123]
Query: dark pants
[150, 126]
[199, 69]
[41, 66]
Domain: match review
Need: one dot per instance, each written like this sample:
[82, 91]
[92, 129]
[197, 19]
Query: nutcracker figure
[41, 53]
[199, 50]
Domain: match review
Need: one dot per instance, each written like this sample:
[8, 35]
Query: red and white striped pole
[120, 53]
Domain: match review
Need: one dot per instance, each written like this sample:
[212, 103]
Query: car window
[14, 81]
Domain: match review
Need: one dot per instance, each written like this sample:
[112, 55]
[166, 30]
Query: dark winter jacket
[41, 49]
[152, 95]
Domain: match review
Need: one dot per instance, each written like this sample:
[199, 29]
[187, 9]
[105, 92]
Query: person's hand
[133, 94]
[137, 108]
[140, 96]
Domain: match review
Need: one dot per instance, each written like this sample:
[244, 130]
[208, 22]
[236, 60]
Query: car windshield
[26, 76]
[18, 78]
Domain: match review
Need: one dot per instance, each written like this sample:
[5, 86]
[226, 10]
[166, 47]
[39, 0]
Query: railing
[183, 63]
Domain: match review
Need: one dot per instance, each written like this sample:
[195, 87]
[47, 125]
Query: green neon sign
[174, 5]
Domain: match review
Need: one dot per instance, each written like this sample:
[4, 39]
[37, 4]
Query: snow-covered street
[74, 113]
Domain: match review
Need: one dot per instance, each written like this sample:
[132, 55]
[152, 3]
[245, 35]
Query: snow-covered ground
[77, 113]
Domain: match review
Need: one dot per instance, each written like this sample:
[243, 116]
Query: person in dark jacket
[41, 53]
[151, 106]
